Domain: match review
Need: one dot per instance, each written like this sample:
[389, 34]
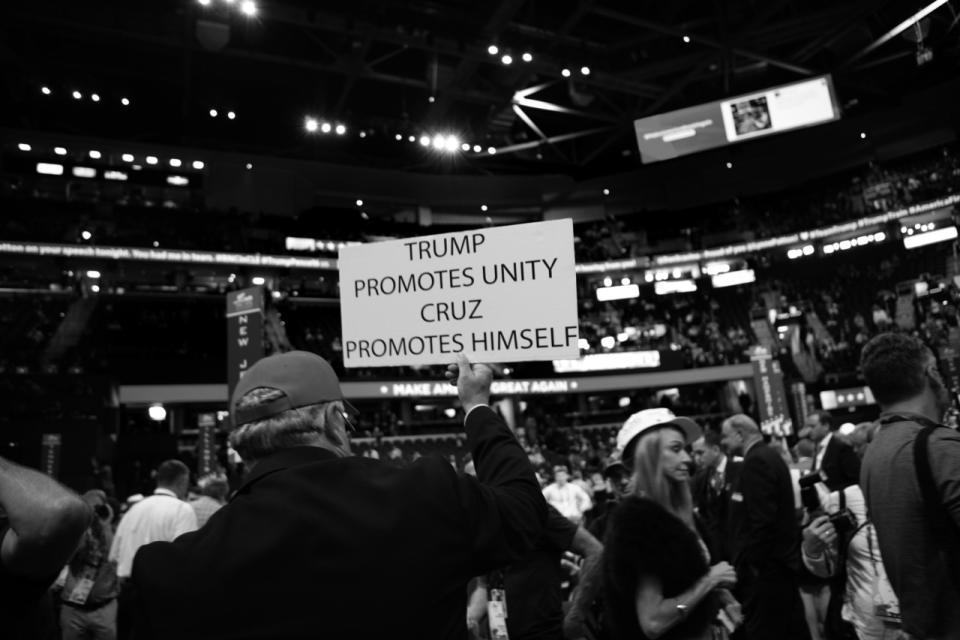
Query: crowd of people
[684, 530]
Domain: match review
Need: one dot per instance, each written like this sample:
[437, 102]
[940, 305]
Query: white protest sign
[504, 294]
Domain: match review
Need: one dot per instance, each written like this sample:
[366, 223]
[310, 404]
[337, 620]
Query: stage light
[624, 281]
[49, 169]
[326, 127]
[606, 192]
[808, 250]
[412, 139]
[77, 95]
[729, 165]
[112, 174]
[483, 207]
[85, 172]
[45, 91]
[95, 97]
[565, 73]
[398, 137]
[60, 151]
[157, 412]
[608, 281]
[432, 99]
[125, 102]
[608, 342]
[86, 235]
[311, 125]
[493, 49]
[213, 113]
[439, 142]
[477, 148]
[362, 134]
[686, 39]
[95, 288]
[507, 59]
[359, 202]
[152, 160]
[92, 274]
[95, 154]
[127, 157]
[363, 214]
[341, 129]
[258, 281]
[863, 135]
[492, 150]
[425, 141]
[178, 181]
[452, 144]
[155, 244]
[527, 57]
[175, 162]
[249, 166]
[248, 8]
[585, 70]
[198, 165]
[231, 115]
[23, 146]
[204, 3]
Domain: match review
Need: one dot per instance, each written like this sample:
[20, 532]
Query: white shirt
[822, 449]
[570, 500]
[160, 517]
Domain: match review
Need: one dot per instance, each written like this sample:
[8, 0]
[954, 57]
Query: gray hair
[214, 485]
[743, 424]
[303, 426]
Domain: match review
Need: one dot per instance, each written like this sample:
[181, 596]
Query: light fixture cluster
[96, 154]
[77, 94]
[800, 252]
[445, 142]
[852, 243]
[507, 57]
[246, 7]
[215, 113]
[584, 71]
[313, 125]
[918, 228]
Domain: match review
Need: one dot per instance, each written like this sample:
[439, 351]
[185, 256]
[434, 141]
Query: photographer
[840, 542]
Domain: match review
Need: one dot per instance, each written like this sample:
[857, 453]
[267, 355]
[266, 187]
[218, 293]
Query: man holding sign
[317, 541]
[504, 294]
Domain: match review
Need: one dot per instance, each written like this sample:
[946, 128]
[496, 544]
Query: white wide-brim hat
[650, 420]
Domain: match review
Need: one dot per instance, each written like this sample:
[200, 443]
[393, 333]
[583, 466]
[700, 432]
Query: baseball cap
[651, 420]
[304, 378]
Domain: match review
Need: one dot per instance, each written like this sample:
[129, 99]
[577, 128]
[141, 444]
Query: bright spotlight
[49, 169]
[425, 141]
[362, 134]
[23, 146]
[157, 412]
[248, 8]
[86, 235]
[127, 157]
[359, 202]
[507, 59]
[527, 57]
[686, 39]
[198, 164]
[205, 3]
[249, 166]
[585, 70]
[565, 73]
[477, 148]
[493, 49]
[484, 207]
[398, 137]
[93, 275]
[231, 115]
[125, 102]
[77, 95]
[95, 97]
[412, 138]
[95, 154]
[465, 147]
[95, 288]
[606, 192]
[60, 151]
[213, 113]
[492, 150]
[341, 129]
[175, 162]
[152, 160]
[863, 135]
[326, 127]
[729, 165]
[45, 91]
[451, 144]
[258, 281]
[311, 125]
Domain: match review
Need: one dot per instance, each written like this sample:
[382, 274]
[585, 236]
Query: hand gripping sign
[504, 294]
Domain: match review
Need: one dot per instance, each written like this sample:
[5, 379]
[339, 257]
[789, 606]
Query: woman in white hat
[657, 574]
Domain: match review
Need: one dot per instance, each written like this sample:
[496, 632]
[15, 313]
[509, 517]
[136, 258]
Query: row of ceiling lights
[78, 95]
[94, 154]
[230, 114]
[246, 7]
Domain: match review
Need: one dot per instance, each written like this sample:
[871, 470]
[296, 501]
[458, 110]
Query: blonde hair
[650, 481]
[303, 426]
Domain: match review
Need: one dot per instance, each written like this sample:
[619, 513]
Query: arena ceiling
[408, 69]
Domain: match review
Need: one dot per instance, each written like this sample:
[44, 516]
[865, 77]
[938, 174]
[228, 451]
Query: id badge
[81, 591]
[497, 614]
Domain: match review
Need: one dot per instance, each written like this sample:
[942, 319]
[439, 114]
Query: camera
[843, 522]
[809, 497]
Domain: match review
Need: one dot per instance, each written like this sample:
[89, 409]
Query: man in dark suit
[711, 492]
[837, 462]
[319, 543]
[766, 541]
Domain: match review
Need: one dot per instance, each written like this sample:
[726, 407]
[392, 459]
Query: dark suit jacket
[763, 520]
[318, 546]
[713, 509]
[841, 465]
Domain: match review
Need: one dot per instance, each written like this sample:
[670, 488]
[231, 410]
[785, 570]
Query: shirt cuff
[471, 411]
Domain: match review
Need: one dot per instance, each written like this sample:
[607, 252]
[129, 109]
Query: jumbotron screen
[753, 115]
